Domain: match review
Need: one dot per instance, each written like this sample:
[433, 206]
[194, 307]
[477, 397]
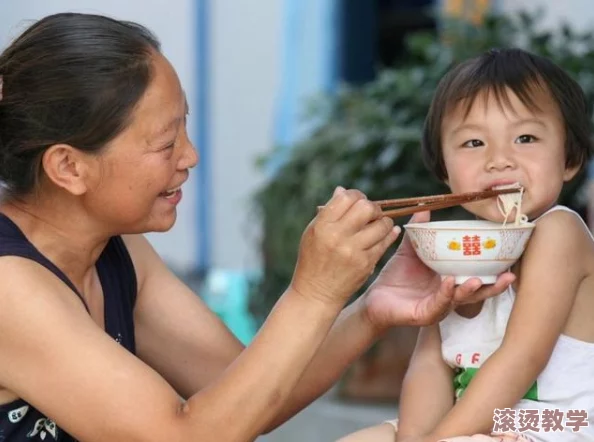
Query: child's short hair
[523, 73]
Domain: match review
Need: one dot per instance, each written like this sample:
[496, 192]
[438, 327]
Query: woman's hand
[407, 292]
[341, 247]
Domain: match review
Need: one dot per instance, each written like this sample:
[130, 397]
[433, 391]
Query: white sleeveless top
[566, 383]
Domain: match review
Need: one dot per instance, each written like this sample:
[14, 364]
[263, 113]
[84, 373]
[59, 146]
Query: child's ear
[570, 172]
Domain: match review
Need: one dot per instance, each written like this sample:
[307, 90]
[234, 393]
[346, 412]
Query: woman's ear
[66, 167]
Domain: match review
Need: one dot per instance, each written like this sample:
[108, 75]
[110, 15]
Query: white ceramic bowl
[467, 249]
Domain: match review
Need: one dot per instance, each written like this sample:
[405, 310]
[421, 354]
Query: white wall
[245, 63]
[174, 26]
[579, 13]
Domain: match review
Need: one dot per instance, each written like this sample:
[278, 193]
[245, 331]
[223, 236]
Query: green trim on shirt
[465, 374]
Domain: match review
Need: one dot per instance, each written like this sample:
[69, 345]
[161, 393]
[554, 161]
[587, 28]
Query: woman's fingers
[447, 297]
[450, 295]
[361, 213]
[340, 203]
[472, 291]
[375, 232]
[349, 211]
[466, 292]
[341, 246]
[440, 304]
[377, 250]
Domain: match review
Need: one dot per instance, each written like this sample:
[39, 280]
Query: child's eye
[473, 143]
[523, 139]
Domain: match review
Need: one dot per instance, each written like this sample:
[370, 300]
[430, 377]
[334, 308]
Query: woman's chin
[161, 222]
[164, 225]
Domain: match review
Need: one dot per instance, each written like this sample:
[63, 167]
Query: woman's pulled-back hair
[72, 79]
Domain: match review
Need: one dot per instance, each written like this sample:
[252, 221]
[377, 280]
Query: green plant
[369, 137]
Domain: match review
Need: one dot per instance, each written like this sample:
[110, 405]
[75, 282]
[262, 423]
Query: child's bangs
[496, 80]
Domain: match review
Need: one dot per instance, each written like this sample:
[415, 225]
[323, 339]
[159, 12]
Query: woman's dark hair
[69, 78]
[499, 71]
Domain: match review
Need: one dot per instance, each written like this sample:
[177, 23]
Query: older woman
[99, 341]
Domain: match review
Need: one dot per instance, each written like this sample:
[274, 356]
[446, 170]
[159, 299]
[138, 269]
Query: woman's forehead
[164, 99]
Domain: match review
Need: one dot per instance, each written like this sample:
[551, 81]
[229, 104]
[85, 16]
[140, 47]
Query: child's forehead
[534, 101]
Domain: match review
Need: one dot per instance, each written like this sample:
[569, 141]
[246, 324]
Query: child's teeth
[508, 186]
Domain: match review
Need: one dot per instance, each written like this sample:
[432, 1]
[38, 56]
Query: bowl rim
[488, 225]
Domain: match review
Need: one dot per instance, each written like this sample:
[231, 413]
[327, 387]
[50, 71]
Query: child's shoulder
[562, 232]
[561, 218]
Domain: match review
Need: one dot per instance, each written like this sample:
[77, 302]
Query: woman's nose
[189, 158]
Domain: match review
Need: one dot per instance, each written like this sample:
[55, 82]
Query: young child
[519, 366]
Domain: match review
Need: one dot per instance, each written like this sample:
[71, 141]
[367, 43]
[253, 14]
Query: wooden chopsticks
[436, 202]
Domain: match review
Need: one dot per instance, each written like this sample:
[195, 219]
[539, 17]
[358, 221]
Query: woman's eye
[473, 143]
[522, 139]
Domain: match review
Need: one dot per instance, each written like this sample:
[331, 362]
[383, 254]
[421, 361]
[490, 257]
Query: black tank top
[20, 422]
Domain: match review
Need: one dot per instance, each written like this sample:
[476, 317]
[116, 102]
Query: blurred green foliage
[369, 137]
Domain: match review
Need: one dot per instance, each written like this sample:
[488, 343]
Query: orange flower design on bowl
[454, 245]
[490, 244]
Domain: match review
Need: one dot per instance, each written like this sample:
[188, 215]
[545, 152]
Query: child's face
[503, 143]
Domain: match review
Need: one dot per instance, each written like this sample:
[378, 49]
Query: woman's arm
[192, 356]
[550, 274]
[54, 356]
[427, 391]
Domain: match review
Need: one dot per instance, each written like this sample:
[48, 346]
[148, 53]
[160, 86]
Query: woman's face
[135, 185]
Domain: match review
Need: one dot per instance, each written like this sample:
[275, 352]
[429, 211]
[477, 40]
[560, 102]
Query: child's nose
[500, 159]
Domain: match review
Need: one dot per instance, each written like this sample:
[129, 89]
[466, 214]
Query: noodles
[508, 202]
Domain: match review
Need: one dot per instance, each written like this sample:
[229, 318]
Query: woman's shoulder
[21, 271]
[25, 277]
[145, 259]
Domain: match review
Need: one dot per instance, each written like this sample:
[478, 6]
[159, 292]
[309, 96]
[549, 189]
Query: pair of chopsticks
[435, 202]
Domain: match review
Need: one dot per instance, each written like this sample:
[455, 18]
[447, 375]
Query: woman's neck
[62, 233]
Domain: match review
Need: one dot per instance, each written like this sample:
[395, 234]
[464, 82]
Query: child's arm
[550, 274]
[427, 390]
